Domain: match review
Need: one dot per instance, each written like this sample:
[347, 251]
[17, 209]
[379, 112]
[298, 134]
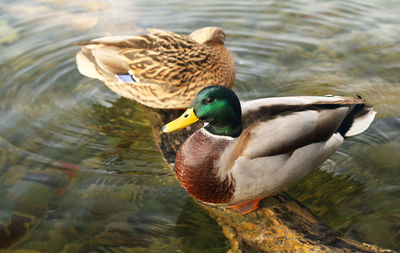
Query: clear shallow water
[123, 197]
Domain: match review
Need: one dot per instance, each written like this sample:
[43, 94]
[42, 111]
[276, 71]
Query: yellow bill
[186, 119]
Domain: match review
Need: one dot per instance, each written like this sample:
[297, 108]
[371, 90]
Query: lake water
[123, 198]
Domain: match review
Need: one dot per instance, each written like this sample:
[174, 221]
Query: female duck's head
[216, 105]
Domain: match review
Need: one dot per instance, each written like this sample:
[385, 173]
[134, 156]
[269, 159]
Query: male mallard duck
[160, 69]
[249, 151]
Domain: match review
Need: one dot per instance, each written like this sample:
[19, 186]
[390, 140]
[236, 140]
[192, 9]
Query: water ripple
[51, 116]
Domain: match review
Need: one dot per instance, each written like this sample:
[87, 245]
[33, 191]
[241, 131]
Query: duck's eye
[209, 100]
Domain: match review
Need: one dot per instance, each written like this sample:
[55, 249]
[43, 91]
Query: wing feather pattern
[274, 126]
[174, 67]
[285, 138]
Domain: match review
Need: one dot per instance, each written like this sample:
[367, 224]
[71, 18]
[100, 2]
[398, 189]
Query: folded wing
[276, 126]
[160, 69]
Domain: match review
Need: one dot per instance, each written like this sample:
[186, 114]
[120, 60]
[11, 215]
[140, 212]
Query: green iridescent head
[217, 105]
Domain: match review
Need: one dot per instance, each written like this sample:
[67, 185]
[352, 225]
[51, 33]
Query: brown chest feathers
[196, 170]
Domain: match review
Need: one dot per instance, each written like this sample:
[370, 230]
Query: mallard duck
[250, 150]
[160, 69]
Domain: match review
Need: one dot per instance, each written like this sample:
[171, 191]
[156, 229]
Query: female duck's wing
[159, 66]
[153, 57]
[275, 126]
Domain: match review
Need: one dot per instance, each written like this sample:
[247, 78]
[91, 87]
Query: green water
[123, 197]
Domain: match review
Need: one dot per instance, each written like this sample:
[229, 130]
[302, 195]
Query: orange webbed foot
[247, 206]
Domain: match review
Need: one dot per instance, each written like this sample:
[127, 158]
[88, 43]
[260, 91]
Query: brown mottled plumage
[167, 69]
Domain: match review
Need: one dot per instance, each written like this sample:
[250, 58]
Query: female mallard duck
[160, 69]
[249, 151]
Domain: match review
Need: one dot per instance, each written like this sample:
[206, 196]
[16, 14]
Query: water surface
[122, 197]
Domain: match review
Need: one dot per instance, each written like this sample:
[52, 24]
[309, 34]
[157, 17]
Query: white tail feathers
[362, 120]
[87, 67]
